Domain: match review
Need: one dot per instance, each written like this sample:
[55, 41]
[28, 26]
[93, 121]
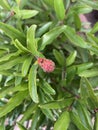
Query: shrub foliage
[65, 99]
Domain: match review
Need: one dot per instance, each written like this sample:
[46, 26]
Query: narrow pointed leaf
[71, 58]
[5, 4]
[43, 29]
[19, 46]
[76, 120]
[89, 73]
[2, 123]
[96, 122]
[32, 83]
[81, 9]
[95, 28]
[47, 88]
[9, 64]
[17, 1]
[71, 71]
[63, 121]
[57, 104]
[35, 119]
[74, 38]
[21, 127]
[48, 113]
[59, 9]
[29, 111]
[8, 56]
[59, 57]
[91, 92]
[13, 103]
[31, 41]
[83, 67]
[12, 32]
[26, 65]
[48, 37]
[84, 115]
[90, 3]
[77, 21]
[25, 14]
[5, 91]
[50, 2]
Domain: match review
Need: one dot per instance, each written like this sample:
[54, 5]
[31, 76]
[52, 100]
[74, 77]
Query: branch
[11, 14]
[65, 89]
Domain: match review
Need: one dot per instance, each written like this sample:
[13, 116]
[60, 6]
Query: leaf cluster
[67, 98]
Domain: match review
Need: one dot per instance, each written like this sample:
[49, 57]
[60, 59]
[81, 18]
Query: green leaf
[6, 72]
[13, 103]
[35, 119]
[25, 14]
[18, 80]
[21, 3]
[29, 111]
[48, 37]
[90, 91]
[46, 87]
[82, 67]
[12, 32]
[32, 83]
[67, 4]
[48, 113]
[71, 58]
[18, 2]
[94, 49]
[71, 71]
[83, 91]
[96, 122]
[2, 123]
[68, 31]
[43, 29]
[84, 54]
[94, 81]
[59, 57]
[87, 94]
[4, 91]
[9, 64]
[5, 47]
[77, 21]
[19, 46]
[57, 104]
[26, 65]
[93, 39]
[8, 56]
[89, 73]
[63, 121]
[74, 38]
[95, 28]
[80, 9]
[41, 120]
[90, 3]
[84, 115]
[59, 9]
[69, 48]
[76, 120]
[50, 2]
[4, 4]
[31, 41]
[21, 127]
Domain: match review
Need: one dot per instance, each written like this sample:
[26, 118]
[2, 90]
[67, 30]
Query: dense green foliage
[65, 99]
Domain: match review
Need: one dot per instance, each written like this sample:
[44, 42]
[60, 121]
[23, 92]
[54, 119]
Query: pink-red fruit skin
[46, 64]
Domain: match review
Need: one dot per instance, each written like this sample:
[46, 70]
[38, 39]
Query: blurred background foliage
[66, 99]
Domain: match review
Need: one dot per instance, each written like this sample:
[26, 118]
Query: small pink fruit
[46, 64]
